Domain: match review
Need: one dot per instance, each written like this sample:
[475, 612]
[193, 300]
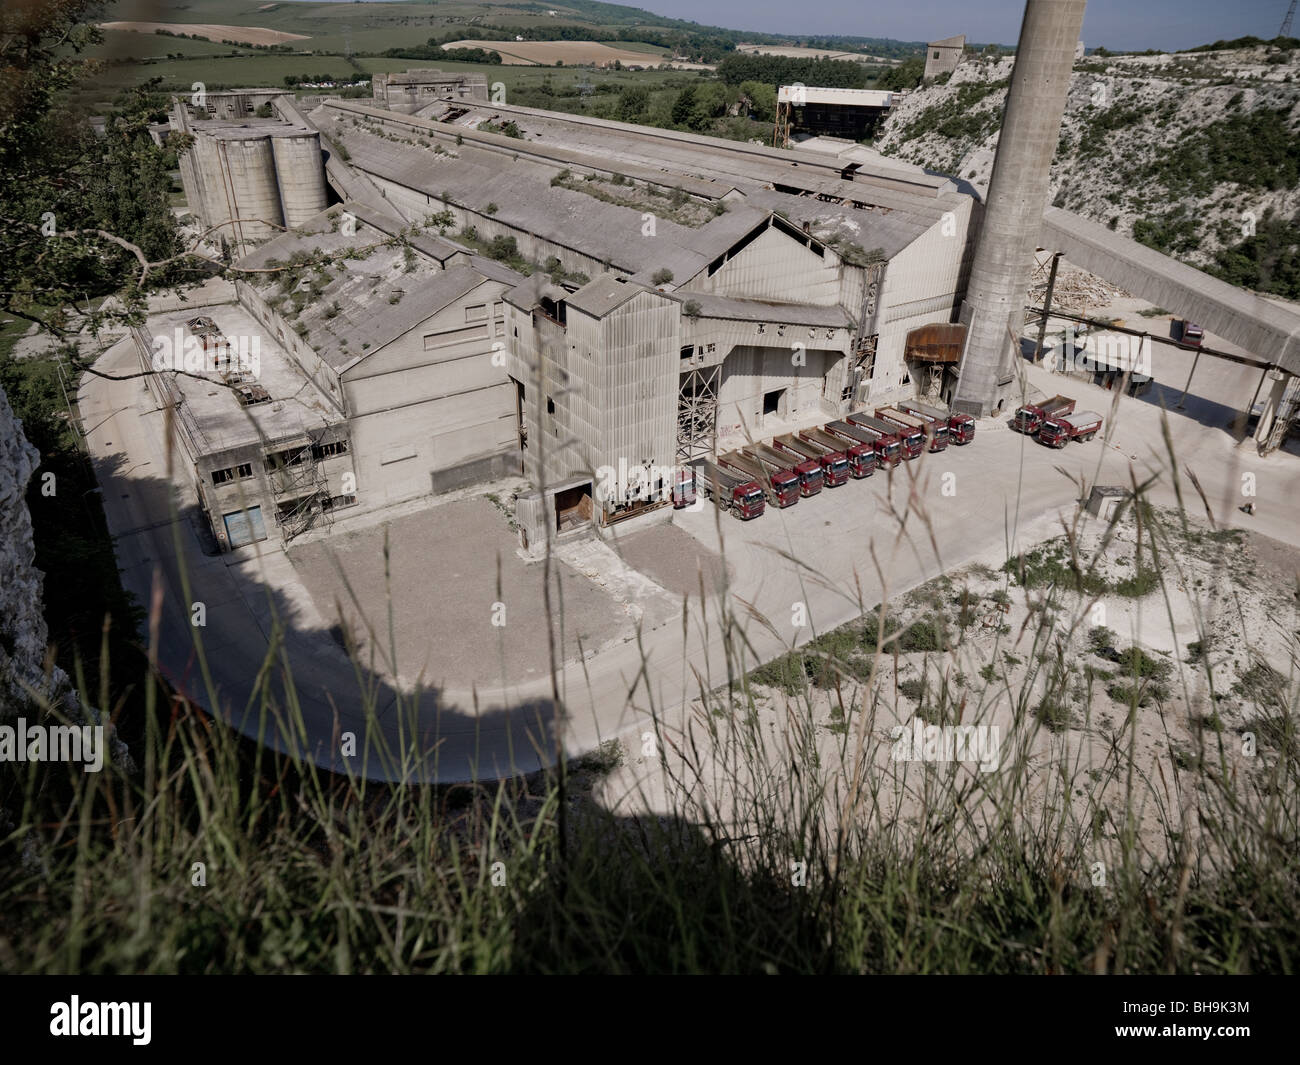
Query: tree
[632, 103]
[683, 106]
[83, 216]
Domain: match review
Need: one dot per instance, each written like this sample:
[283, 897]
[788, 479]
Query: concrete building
[689, 289]
[368, 371]
[409, 92]
[253, 177]
[847, 113]
[942, 57]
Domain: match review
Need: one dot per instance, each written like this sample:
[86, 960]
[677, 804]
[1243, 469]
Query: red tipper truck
[856, 436]
[1029, 418]
[932, 432]
[961, 427]
[910, 431]
[1061, 429]
[808, 472]
[781, 488]
[731, 491]
[683, 487]
[861, 454]
[890, 436]
[835, 464]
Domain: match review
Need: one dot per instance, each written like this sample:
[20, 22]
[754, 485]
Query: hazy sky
[1134, 24]
[1114, 23]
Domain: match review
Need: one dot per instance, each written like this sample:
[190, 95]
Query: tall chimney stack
[1013, 215]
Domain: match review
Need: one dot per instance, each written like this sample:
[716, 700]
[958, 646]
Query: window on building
[325, 451]
[244, 469]
[222, 476]
[476, 313]
[688, 351]
[936, 55]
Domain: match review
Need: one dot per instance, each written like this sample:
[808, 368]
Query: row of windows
[230, 473]
[280, 460]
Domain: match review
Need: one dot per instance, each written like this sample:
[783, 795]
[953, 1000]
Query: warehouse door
[243, 527]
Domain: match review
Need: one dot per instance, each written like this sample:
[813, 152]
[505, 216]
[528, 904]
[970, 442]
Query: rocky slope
[23, 633]
[1196, 154]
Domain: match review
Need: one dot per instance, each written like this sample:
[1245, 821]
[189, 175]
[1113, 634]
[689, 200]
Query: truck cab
[911, 432]
[834, 463]
[889, 443]
[809, 473]
[1029, 418]
[782, 484]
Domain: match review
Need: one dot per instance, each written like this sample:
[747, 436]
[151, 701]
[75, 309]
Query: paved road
[859, 544]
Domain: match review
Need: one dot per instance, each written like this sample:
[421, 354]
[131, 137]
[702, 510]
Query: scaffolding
[300, 489]
[697, 412]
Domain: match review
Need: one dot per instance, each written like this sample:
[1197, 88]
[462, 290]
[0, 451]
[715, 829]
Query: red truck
[731, 491]
[834, 464]
[1029, 418]
[781, 487]
[683, 487]
[912, 435]
[889, 435]
[1059, 430]
[933, 433]
[809, 472]
[856, 436]
[861, 454]
[961, 427]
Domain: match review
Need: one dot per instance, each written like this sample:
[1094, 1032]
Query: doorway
[774, 402]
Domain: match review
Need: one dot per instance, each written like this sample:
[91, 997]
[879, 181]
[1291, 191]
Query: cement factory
[442, 288]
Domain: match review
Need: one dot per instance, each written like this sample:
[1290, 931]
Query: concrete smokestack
[1013, 215]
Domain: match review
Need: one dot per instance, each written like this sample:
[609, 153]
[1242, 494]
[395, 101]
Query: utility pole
[1285, 31]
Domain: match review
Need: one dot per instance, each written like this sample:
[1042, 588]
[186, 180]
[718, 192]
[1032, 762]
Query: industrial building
[416, 89]
[852, 114]
[583, 295]
[942, 57]
[250, 176]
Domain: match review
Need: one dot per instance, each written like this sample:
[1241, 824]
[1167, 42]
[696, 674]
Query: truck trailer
[888, 449]
[834, 464]
[1060, 430]
[934, 434]
[861, 455]
[961, 427]
[891, 433]
[1029, 418]
[911, 431]
[809, 472]
[739, 495]
[781, 487]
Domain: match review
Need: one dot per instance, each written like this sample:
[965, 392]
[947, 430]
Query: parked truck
[683, 487]
[733, 492]
[781, 487]
[856, 436]
[890, 435]
[1059, 430]
[934, 435]
[911, 432]
[834, 464]
[961, 427]
[1029, 418]
[861, 454]
[809, 472]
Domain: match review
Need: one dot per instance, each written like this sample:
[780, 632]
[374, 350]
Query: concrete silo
[249, 185]
[300, 172]
[1018, 192]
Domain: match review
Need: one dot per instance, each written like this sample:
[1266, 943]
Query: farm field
[547, 53]
[794, 52]
[212, 31]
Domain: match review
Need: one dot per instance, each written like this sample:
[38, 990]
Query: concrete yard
[448, 568]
